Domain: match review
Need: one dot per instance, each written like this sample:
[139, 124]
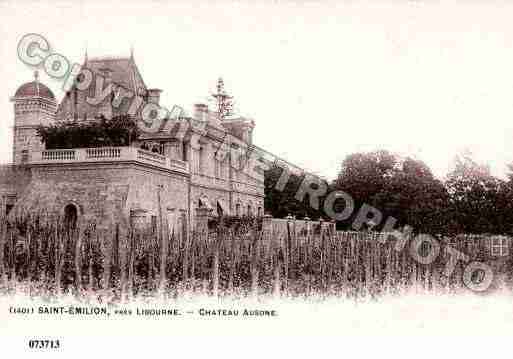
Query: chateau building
[162, 172]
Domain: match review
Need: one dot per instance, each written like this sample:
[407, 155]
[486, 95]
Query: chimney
[154, 96]
[200, 111]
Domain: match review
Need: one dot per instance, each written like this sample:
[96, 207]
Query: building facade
[168, 172]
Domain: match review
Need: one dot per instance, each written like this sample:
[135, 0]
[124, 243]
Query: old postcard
[248, 178]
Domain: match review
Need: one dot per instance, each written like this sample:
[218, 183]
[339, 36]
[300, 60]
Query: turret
[34, 105]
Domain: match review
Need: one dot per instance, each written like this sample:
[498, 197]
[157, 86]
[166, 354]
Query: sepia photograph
[248, 178]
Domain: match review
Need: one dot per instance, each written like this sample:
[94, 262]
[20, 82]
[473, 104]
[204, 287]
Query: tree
[280, 204]
[403, 188]
[119, 131]
[478, 201]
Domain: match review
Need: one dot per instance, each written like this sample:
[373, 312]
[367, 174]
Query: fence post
[167, 232]
[28, 258]
[323, 258]
[78, 260]
[276, 270]
[181, 233]
[215, 266]
[326, 259]
[34, 267]
[134, 236]
[413, 275]
[122, 257]
[334, 255]
[90, 262]
[58, 260]
[106, 245]
[286, 254]
[388, 266]
[232, 261]
[178, 241]
[3, 234]
[255, 248]
[185, 259]
[203, 243]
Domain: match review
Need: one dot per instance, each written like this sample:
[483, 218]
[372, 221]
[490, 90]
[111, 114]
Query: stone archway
[70, 217]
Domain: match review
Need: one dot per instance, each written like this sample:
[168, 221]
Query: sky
[321, 79]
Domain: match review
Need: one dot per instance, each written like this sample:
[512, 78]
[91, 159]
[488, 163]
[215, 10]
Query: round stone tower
[34, 105]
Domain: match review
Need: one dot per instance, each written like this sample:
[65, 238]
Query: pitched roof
[123, 72]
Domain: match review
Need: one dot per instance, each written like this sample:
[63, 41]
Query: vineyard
[247, 259]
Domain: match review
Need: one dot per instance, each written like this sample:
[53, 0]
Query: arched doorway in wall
[70, 217]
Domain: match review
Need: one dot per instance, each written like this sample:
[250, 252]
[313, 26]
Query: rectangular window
[24, 156]
[500, 246]
[154, 224]
[184, 151]
[217, 168]
[201, 159]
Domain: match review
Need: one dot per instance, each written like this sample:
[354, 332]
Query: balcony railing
[151, 157]
[103, 152]
[107, 154]
[60, 155]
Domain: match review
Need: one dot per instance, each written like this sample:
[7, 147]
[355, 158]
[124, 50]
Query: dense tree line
[469, 200]
[280, 202]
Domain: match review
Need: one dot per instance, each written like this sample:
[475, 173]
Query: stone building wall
[146, 185]
[103, 193]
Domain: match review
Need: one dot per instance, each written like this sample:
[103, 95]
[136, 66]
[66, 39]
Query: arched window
[259, 212]
[250, 211]
[237, 209]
